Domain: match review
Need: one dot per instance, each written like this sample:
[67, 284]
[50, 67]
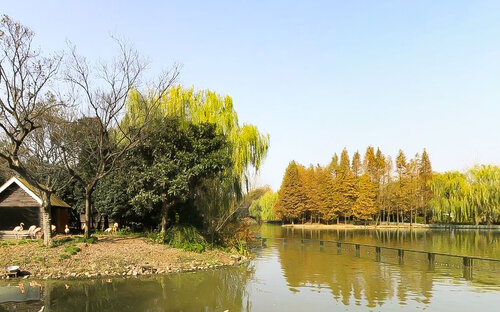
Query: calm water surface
[293, 276]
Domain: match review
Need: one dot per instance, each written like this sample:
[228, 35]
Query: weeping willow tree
[448, 204]
[483, 194]
[473, 197]
[218, 197]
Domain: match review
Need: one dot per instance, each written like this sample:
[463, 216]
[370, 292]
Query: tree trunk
[46, 210]
[165, 207]
[88, 211]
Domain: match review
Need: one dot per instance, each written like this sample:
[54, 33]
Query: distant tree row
[372, 188]
[262, 207]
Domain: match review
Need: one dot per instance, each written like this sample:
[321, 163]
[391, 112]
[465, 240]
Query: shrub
[239, 235]
[186, 238]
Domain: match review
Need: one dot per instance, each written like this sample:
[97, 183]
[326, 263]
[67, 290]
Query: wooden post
[401, 254]
[377, 254]
[467, 262]
[468, 267]
[431, 257]
[339, 248]
[358, 252]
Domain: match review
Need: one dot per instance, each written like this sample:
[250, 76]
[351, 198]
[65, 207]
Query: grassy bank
[108, 255]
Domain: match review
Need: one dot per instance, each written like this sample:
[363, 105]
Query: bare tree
[101, 136]
[25, 77]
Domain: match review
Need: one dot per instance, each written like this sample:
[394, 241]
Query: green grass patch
[91, 240]
[61, 241]
[72, 240]
[72, 249]
[7, 243]
[63, 256]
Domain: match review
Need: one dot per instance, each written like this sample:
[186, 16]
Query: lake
[296, 276]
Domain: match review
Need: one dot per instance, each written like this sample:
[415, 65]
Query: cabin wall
[15, 196]
[17, 206]
[60, 218]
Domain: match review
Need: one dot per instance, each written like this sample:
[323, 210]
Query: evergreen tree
[327, 209]
[401, 168]
[291, 198]
[310, 191]
[345, 187]
[357, 169]
[333, 165]
[425, 179]
[364, 207]
[370, 164]
[380, 161]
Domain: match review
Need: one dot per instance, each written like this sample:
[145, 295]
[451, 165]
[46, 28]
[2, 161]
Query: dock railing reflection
[467, 261]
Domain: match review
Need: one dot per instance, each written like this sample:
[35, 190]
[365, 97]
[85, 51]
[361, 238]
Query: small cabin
[21, 202]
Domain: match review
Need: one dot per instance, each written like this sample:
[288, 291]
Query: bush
[239, 235]
[186, 238]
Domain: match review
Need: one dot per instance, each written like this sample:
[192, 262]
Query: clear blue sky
[317, 76]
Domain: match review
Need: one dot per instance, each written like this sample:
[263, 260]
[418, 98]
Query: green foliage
[72, 249]
[472, 197]
[63, 256]
[173, 161]
[217, 196]
[262, 208]
[186, 238]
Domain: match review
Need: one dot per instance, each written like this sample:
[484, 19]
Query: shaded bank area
[212, 290]
[109, 256]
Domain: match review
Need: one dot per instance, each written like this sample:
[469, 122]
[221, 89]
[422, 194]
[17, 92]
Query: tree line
[105, 137]
[472, 197]
[372, 188]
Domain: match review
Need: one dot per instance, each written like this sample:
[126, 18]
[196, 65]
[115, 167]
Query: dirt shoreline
[389, 226]
[110, 256]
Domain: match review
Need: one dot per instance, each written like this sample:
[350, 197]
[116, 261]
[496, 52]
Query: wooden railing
[467, 261]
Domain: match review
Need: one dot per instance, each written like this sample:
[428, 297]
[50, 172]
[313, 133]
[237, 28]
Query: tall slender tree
[425, 179]
[401, 168]
[345, 187]
[357, 168]
[365, 207]
[291, 197]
